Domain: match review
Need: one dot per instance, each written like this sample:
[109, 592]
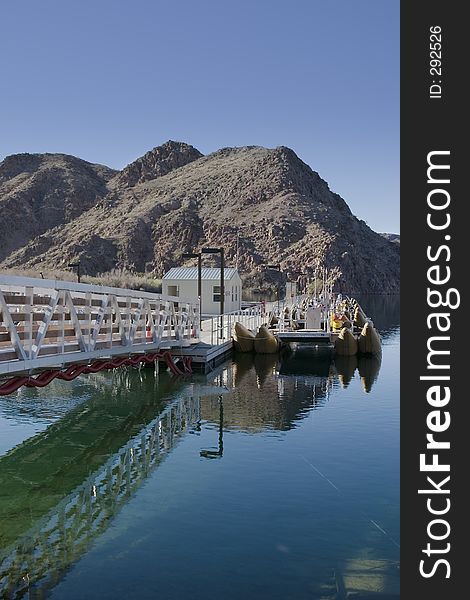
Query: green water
[269, 478]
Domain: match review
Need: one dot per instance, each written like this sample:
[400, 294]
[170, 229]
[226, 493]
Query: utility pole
[277, 268]
[199, 279]
[76, 266]
[222, 281]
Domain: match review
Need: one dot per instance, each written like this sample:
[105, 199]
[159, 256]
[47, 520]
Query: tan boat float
[243, 338]
[346, 343]
[359, 318]
[369, 341]
[265, 342]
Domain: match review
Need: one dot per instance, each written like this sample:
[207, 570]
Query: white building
[182, 282]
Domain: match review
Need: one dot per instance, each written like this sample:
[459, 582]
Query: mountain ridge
[174, 199]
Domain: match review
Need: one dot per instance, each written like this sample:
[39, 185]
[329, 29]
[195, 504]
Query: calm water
[269, 478]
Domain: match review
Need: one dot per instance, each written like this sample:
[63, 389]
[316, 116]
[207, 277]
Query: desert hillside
[174, 200]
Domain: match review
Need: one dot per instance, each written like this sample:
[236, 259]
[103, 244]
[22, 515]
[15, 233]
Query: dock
[306, 336]
[55, 325]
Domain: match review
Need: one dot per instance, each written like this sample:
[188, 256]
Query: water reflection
[345, 369]
[260, 397]
[368, 367]
[219, 451]
[276, 392]
[384, 311]
[306, 360]
[35, 404]
[60, 489]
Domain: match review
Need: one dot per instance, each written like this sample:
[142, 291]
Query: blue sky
[107, 80]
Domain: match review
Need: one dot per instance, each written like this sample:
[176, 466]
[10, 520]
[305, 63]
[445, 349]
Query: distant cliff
[174, 200]
[391, 237]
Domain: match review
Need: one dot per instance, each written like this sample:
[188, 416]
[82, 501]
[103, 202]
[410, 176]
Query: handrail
[218, 330]
[47, 323]
[13, 283]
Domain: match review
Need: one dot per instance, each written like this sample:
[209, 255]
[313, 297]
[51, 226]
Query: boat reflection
[265, 366]
[270, 391]
[306, 360]
[345, 369]
[61, 489]
[258, 398]
[368, 367]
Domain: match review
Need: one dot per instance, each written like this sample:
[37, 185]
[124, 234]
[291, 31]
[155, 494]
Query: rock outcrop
[156, 163]
[391, 237]
[42, 191]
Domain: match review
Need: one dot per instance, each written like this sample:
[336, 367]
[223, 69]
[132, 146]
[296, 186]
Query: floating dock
[205, 357]
[61, 329]
[306, 336]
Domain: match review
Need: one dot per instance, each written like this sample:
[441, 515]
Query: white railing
[286, 320]
[218, 330]
[47, 323]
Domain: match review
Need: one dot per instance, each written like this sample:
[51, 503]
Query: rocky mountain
[41, 191]
[156, 163]
[266, 202]
[392, 237]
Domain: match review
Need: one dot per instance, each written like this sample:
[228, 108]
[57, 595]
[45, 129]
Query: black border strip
[433, 122]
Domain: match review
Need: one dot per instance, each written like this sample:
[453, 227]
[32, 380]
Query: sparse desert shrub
[121, 278]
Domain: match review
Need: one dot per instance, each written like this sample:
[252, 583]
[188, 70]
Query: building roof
[188, 273]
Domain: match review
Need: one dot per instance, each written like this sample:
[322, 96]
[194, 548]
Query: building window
[232, 293]
[216, 293]
[173, 290]
[236, 293]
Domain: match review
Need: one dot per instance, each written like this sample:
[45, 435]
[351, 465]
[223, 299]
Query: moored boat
[369, 341]
[359, 317]
[243, 338]
[346, 343]
[265, 342]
